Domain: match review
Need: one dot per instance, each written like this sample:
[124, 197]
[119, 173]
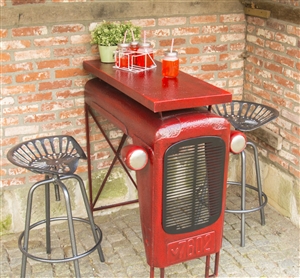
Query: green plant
[112, 33]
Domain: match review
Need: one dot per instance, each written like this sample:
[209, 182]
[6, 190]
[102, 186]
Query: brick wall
[272, 77]
[43, 79]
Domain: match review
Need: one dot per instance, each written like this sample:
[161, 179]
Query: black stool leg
[27, 226]
[243, 196]
[90, 216]
[47, 216]
[258, 181]
[70, 224]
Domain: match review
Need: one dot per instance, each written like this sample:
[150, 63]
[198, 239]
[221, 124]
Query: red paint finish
[159, 94]
[156, 132]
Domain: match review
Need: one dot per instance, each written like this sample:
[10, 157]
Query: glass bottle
[133, 52]
[122, 57]
[170, 64]
[145, 55]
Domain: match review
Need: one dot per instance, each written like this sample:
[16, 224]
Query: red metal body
[156, 132]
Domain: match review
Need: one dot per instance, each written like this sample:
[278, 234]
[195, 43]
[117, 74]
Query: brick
[48, 64]
[57, 126]
[3, 33]
[275, 25]
[148, 22]
[71, 113]
[290, 116]
[70, 51]
[19, 110]
[267, 34]
[177, 42]
[276, 159]
[292, 96]
[5, 80]
[21, 130]
[203, 59]
[229, 56]
[275, 46]
[203, 19]
[15, 90]
[273, 67]
[261, 93]
[192, 50]
[255, 40]
[32, 54]
[203, 39]
[69, 28]
[53, 106]
[23, 2]
[284, 60]
[9, 121]
[284, 82]
[232, 18]
[273, 87]
[29, 31]
[214, 67]
[16, 67]
[283, 38]
[170, 21]
[34, 76]
[237, 28]
[256, 21]
[237, 46]
[37, 97]
[69, 93]
[230, 74]
[80, 39]
[4, 57]
[17, 44]
[215, 48]
[214, 29]
[232, 37]
[11, 141]
[292, 74]
[51, 41]
[39, 118]
[293, 30]
[54, 85]
[185, 31]
[69, 73]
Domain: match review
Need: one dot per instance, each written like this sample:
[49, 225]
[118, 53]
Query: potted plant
[107, 35]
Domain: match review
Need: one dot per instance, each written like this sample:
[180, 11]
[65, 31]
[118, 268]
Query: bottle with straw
[122, 57]
[145, 57]
[170, 63]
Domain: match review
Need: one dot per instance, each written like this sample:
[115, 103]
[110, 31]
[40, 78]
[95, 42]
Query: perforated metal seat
[57, 157]
[247, 116]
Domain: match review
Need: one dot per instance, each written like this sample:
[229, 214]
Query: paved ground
[270, 251]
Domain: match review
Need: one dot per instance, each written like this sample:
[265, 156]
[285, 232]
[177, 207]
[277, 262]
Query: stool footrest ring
[27, 254]
[263, 195]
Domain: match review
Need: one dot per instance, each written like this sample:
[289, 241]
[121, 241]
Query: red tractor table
[180, 153]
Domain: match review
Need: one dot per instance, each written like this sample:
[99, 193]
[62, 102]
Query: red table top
[159, 94]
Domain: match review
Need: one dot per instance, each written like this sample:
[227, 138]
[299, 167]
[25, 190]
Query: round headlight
[238, 141]
[135, 157]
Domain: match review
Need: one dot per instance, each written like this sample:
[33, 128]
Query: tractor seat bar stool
[247, 116]
[57, 158]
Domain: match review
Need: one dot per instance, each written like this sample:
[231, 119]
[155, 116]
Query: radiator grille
[193, 184]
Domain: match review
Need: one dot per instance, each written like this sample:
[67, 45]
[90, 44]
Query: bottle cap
[171, 54]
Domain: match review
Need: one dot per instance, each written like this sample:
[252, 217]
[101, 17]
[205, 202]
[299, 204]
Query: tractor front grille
[193, 184]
